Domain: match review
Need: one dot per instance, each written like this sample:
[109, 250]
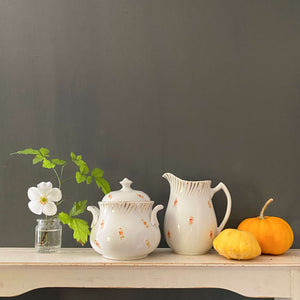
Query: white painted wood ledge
[22, 270]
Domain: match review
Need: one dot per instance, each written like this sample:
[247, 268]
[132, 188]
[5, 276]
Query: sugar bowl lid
[126, 193]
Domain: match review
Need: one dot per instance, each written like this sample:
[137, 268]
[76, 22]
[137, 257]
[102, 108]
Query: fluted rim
[171, 176]
[125, 202]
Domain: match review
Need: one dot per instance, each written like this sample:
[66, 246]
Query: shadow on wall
[130, 294]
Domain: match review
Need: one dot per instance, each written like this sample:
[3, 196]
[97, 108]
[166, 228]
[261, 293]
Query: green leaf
[89, 180]
[103, 184]
[44, 152]
[80, 177]
[77, 162]
[81, 230]
[58, 161]
[64, 218]
[97, 173]
[37, 159]
[73, 156]
[27, 151]
[78, 208]
[84, 169]
[48, 164]
[80, 227]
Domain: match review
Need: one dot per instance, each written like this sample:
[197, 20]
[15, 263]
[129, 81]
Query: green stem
[60, 202]
[44, 235]
[58, 179]
[61, 172]
[65, 180]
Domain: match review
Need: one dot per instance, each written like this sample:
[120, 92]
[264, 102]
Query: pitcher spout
[95, 212]
[170, 177]
[173, 180]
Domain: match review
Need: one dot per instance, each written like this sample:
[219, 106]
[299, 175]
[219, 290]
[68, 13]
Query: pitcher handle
[222, 186]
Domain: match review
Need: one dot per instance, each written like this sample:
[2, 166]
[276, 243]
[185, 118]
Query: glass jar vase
[48, 235]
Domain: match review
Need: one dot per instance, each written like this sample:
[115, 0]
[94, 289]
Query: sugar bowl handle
[95, 212]
[154, 220]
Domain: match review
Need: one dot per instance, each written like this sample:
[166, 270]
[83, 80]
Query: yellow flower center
[43, 200]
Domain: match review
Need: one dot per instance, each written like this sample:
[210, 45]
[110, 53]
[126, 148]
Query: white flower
[42, 199]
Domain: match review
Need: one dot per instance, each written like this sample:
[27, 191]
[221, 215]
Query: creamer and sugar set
[125, 225]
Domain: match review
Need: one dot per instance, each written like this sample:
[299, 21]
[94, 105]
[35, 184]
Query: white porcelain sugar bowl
[125, 227]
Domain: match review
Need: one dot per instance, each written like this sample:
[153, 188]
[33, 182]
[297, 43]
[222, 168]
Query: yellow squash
[236, 244]
[274, 235]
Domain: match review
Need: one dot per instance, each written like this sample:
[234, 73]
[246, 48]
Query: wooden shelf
[22, 270]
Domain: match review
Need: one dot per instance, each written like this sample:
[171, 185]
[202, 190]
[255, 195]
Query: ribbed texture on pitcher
[189, 188]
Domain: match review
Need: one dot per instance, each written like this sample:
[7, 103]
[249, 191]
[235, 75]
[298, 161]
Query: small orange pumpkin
[274, 235]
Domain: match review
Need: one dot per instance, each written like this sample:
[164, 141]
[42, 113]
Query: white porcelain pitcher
[190, 223]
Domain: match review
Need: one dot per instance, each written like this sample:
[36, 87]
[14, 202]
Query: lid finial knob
[126, 183]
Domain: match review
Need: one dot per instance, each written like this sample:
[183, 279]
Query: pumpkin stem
[262, 212]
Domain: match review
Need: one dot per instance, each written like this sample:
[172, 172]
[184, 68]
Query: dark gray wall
[203, 89]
